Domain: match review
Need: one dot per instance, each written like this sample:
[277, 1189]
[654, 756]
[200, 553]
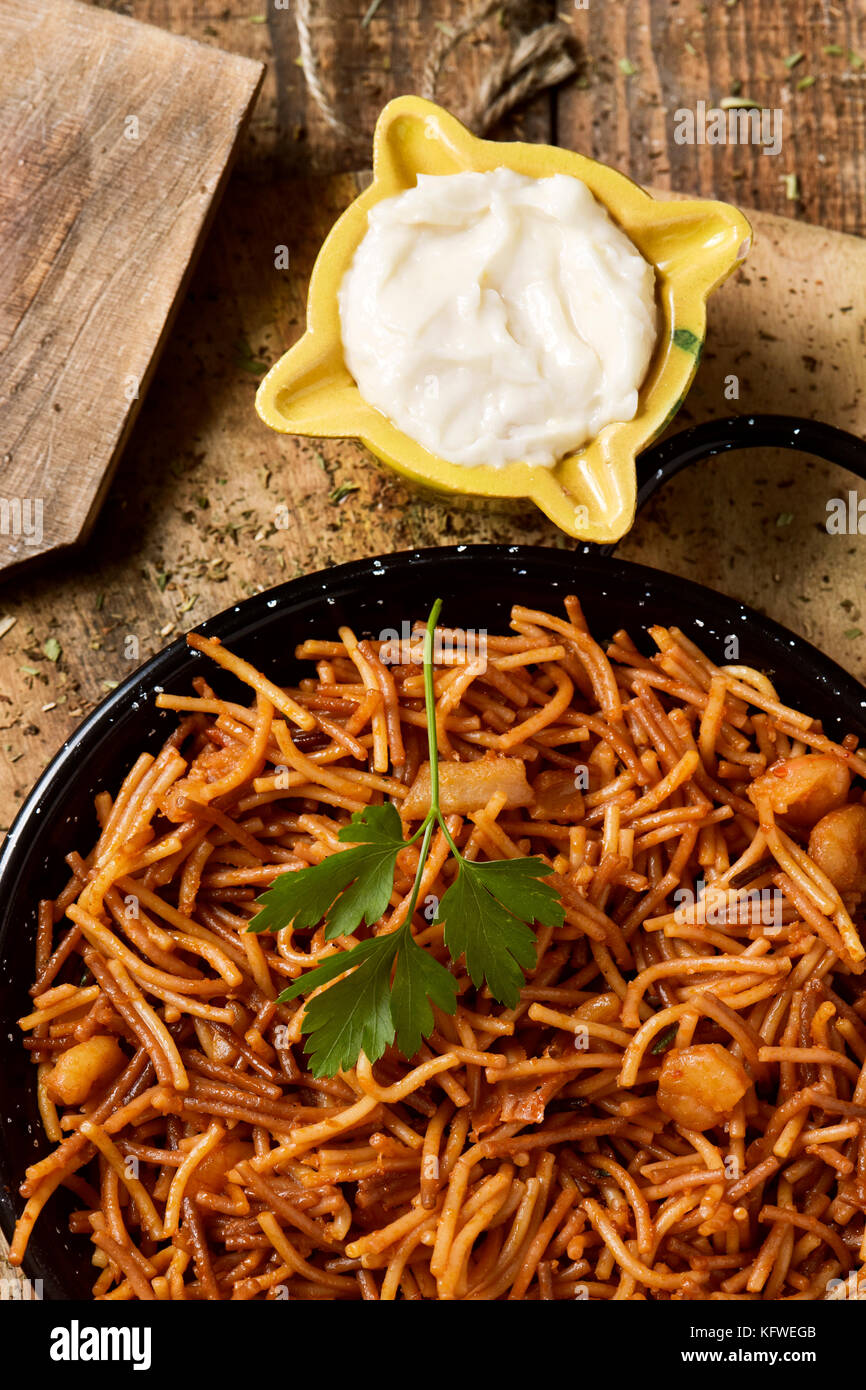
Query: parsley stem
[433, 816]
[416, 886]
[430, 709]
[435, 812]
[445, 831]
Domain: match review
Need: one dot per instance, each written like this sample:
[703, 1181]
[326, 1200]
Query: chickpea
[838, 846]
[804, 788]
[82, 1067]
[699, 1086]
[602, 1008]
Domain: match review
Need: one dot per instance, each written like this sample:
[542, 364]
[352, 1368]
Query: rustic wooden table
[191, 522]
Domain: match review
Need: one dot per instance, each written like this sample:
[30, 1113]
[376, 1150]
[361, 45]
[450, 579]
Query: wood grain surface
[115, 138]
[682, 52]
[207, 506]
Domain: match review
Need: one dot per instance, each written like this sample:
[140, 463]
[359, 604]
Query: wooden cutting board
[115, 142]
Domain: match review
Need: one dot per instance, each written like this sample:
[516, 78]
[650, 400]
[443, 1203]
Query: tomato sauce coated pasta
[674, 1109]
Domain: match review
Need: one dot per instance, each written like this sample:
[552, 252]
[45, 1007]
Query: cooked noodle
[676, 1107]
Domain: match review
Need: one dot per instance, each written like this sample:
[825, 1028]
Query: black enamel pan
[478, 585]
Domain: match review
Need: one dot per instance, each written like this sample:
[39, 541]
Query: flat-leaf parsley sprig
[389, 983]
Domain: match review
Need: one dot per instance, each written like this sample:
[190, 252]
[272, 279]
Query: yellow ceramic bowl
[590, 494]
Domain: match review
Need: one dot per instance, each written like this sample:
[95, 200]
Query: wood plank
[362, 67]
[115, 139]
[685, 51]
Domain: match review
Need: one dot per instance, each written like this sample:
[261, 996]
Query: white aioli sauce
[495, 317]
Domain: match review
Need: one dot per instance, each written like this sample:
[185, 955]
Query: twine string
[533, 63]
[312, 70]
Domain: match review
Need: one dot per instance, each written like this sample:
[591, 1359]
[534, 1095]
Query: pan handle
[669, 456]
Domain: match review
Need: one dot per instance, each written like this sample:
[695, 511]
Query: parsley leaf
[486, 911]
[419, 978]
[351, 887]
[354, 1015]
[363, 1012]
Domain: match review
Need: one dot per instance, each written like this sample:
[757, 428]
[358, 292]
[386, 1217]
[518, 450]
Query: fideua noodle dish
[473, 966]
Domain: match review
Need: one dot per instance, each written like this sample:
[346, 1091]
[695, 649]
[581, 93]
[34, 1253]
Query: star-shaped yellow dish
[590, 494]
